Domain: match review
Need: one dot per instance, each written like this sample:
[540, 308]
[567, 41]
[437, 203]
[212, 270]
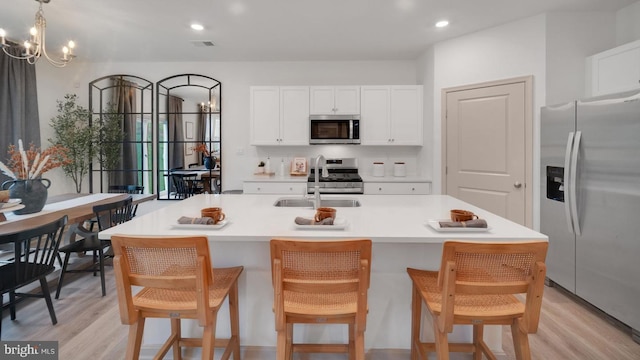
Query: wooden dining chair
[178, 283]
[320, 282]
[476, 286]
[107, 215]
[35, 251]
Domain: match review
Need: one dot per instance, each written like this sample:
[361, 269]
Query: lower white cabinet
[285, 188]
[398, 188]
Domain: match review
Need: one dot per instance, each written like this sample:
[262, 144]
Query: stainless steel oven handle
[574, 182]
[566, 181]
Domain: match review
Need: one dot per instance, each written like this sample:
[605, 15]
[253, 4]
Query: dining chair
[35, 251]
[127, 189]
[475, 286]
[107, 215]
[320, 282]
[178, 282]
[121, 189]
[184, 185]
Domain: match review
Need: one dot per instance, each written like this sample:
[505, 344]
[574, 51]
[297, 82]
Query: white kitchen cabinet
[614, 70]
[391, 115]
[279, 115]
[397, 188]
[334, 100]
[285, 188]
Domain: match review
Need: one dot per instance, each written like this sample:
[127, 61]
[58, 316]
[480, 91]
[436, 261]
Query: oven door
[332, 129]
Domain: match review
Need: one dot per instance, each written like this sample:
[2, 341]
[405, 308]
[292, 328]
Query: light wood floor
[89, 328]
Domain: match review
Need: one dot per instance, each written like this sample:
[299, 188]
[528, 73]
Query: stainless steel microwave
[334, 129]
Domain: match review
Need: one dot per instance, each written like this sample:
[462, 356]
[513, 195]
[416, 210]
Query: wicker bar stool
[475, 286]
[320, 282]
[178, 283]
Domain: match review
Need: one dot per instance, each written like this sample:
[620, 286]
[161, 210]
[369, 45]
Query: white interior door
[488, 147]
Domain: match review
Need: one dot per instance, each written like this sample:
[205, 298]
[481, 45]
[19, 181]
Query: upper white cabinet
[391, 115]
[279, 115]
[614, 70]
[333, 100]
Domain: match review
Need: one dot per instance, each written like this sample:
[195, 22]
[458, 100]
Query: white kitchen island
[397, 225]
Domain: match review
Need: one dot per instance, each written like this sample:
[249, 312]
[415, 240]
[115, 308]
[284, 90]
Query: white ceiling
[259, 30]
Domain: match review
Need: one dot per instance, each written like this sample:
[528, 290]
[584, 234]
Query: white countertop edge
[365, 178]
[276, 178]
[253, 218]
[394, 179]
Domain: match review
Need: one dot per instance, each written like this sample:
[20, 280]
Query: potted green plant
[111, 138]
[72, 129]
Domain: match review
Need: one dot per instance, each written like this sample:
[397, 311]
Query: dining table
[77, 207]
[207, 177]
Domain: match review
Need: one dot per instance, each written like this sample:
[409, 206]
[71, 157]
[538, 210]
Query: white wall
[570, 38]
[628, 24]
[236, 77]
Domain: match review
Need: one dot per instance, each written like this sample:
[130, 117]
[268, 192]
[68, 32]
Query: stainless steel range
[342, 177]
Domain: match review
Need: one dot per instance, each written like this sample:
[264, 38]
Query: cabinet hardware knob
[379, 189]
[517, 185]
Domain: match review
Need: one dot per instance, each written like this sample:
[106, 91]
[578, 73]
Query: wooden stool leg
[289, 345]
[176, 332]
[416, 317]
[234, 314]
[478, 335]
[352, 341]
[281, 346]
[359, 345]
[135, 339]
[520, 341]
[209, 339]
[441, 341]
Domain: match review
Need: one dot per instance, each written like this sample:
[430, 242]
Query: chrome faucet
[316, 187]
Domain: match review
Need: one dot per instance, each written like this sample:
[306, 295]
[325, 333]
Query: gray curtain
[202, 127]
[124, 99]
[176, 134]
[18, 104]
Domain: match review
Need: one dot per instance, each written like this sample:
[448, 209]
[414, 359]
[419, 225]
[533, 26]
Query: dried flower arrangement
[201, 148]
[32, 163]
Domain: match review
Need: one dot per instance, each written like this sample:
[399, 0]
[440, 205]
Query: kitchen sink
[300, 202]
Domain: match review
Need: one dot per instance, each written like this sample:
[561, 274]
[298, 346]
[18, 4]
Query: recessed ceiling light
[442, 23]
[197, 27]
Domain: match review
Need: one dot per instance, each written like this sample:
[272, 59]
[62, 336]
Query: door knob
[517, 185]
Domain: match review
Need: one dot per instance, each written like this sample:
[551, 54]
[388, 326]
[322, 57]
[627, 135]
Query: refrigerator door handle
[574, 182]
[567, 178]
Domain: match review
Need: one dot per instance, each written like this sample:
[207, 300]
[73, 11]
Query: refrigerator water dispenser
[555, 183]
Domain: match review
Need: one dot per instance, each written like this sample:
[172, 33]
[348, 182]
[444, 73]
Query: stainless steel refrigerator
[590, 201]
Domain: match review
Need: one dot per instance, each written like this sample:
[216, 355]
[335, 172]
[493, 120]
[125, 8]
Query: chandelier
[35, 47]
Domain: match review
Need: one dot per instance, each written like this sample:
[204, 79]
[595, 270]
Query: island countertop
[383, 219]
[397, 225]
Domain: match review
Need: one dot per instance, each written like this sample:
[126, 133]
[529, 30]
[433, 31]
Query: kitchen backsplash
[366, 156]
